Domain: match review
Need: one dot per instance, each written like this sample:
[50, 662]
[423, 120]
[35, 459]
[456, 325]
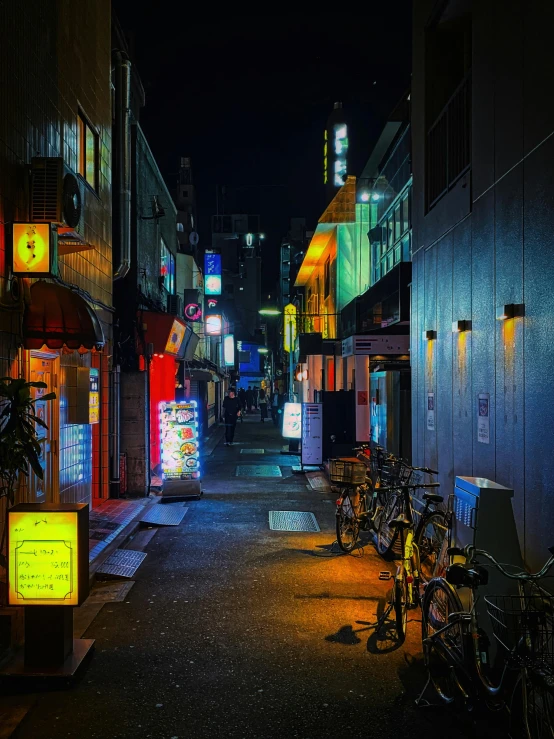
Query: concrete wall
[488, 242]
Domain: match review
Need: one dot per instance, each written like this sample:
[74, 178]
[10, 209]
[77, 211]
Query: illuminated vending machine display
[179, 442]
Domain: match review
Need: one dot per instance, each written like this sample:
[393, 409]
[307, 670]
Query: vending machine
[180, 449]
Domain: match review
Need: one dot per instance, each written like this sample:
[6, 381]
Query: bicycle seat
[432, 497]
[402, 522]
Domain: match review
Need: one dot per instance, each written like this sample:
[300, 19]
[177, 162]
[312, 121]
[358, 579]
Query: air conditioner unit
[58, 196]
[175, 305]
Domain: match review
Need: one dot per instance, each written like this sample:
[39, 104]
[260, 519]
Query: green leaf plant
[19, 446]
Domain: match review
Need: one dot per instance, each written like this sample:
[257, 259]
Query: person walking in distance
[242, 399]
[275, 407]
[255, 396]
[249, 398]
[231, 410]
[263, 404]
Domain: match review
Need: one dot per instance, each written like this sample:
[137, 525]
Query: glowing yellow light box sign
[48, 554]
[34, 249]
[289, 327]
[176, 337]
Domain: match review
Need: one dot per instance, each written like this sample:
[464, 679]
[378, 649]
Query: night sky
[247, 98]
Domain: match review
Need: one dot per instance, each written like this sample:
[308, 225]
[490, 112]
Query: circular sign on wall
[193, 312]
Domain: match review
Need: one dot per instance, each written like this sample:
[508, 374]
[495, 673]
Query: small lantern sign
[35, 252]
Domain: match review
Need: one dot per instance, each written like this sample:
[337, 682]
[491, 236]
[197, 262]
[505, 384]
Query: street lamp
[269, 312]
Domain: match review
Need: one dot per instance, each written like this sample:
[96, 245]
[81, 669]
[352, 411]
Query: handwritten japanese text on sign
[43, 563]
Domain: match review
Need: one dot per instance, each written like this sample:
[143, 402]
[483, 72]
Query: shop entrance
[44, 368]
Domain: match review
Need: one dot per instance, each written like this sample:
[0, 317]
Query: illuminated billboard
[229, 350]
[34, 250]
[179, 441]
[176, 336]
[213, 325]
[292, 421]
[212, 273]
[48, 554]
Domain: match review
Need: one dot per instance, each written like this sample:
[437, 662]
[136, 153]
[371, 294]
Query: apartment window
[405, 214]
[397, 223]
[167, 268]
[88, 152]
[390, 224]
[327, 277]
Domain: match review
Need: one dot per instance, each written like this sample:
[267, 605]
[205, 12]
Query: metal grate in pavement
[110, 592]
[258, 470]
[252, 451]
[318, 481]
[122, 563]
[164, 514]
[293, 521]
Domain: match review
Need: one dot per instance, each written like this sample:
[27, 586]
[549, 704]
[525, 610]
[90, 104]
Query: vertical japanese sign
[212, 273]
[312, 433]
[179, 441]
[94, 396]
[483, 418]
[44, 554]
[430, 411]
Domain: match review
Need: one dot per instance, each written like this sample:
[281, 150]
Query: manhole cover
[293, 521]
[164, 514]
[110, 592]
[252, 451]
[258, 470]
[122, 563]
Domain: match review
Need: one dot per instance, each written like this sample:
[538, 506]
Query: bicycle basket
[347, 471]
[523, 626]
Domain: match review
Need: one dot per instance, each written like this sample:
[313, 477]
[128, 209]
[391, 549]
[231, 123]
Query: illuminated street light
[263, 350]
[269, 312]
[376, 197]
[364, 197]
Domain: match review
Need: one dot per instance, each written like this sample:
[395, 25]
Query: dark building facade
[483, 219]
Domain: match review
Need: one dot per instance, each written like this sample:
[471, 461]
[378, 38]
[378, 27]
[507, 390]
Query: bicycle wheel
[531, 709]
[386, 537]
[401, 605]
[346, 521]
[429, 537]
[444, 652]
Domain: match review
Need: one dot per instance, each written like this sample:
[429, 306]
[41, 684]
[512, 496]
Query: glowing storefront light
[229, 350]
[289, 327]
[213, 325]
[179, 444]
[292, 421]
[33, 249]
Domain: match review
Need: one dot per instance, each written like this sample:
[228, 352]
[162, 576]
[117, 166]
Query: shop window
[167, 268]
[88, 152]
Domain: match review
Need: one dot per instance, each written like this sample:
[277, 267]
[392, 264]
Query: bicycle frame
[409, 565]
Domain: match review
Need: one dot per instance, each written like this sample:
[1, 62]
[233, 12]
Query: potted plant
[19, 446]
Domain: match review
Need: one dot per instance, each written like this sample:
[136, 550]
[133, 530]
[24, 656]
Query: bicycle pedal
[385, 575]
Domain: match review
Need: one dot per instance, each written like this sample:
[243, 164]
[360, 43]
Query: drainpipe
[115, 385]
[123, 148]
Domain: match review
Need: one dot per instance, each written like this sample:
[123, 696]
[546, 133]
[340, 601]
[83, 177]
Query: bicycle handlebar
[470, 552]
[427, 470]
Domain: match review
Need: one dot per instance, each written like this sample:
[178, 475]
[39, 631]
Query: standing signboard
[312, 434]
[292, 420]
[180, 448]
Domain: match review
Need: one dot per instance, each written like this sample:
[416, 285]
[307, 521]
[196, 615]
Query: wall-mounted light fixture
[459, 326]
[510, 310]
[429, 335]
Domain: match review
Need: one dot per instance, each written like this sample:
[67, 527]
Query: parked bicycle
[456, 646]
[360, 498]
[413, 540]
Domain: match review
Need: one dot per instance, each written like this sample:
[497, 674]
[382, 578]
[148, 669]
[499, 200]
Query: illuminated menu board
[48, 555]
[179, 441]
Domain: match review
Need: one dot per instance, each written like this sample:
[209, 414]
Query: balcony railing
[449, 144]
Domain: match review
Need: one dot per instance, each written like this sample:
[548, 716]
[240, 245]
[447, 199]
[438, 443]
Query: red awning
[57, 317]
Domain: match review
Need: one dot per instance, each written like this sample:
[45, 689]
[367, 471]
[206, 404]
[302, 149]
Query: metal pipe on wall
[123, 149]
[115, 391]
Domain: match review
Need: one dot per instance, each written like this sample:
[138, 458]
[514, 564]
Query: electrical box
[83, 388]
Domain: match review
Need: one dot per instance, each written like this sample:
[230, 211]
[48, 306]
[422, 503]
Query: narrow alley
[234, 630]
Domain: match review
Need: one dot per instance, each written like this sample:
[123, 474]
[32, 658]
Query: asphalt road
[233, 630]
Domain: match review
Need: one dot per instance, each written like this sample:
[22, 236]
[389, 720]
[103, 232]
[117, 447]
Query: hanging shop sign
[312, 433]
[292, 421]
[193, 312]
[212, 273]
[35, 250]
[289, 327]
[175, 339]
[94, 396]
[229, 350]
[48, 554]
[213, 325]
[179, 441]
